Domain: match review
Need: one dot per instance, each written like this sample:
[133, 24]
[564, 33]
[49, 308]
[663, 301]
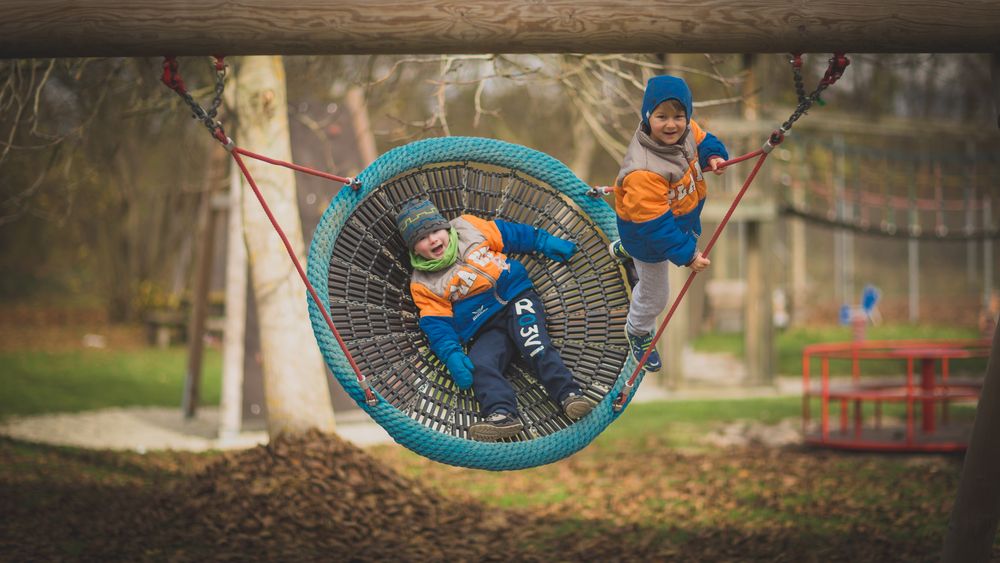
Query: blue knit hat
[662, 88]
[417, 219]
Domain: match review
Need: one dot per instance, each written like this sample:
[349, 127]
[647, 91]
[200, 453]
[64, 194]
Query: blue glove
[460, 367]
[554, 248]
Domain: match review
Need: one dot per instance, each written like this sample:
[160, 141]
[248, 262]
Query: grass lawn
[37, 382]
[648, 488]
[791, 342]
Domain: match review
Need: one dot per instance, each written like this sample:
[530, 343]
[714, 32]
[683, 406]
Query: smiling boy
[467, 289]
[659, 196]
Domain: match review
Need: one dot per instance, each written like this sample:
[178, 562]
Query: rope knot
[172, 75]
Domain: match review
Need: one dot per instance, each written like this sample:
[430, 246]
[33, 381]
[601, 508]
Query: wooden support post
[759, 333]
[973, 523]
[798, 245]
[253, 27]
[913, 251]
[199, 298]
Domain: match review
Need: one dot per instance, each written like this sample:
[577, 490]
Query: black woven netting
[586, 300]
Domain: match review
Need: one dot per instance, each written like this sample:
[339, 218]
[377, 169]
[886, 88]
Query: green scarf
[450, 255]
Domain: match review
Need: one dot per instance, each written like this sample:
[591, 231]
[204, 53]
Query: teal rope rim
[404, 430]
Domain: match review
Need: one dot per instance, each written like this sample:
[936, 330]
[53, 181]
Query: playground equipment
[925, 393]
[363, 283]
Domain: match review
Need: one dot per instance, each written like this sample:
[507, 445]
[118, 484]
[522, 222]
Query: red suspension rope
[172, 78]
[369, 395]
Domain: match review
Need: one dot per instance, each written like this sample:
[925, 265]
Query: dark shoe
[618, 251]
[576, 406]
[638, 346]
[496, 426]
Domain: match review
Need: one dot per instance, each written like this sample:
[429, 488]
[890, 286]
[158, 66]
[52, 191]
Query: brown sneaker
[576, 406]
[496, 426]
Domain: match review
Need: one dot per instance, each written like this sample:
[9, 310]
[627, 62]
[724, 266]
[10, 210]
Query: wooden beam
[113, 28]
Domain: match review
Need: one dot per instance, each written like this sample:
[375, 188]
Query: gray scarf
[669, 161]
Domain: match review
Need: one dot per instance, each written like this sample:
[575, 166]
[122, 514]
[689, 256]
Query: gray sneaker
[576, 406]
[496, 426]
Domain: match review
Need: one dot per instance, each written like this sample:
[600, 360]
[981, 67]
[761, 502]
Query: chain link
[833, 72]
[173, 80]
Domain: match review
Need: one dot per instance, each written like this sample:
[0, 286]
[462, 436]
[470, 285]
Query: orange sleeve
[429, 303]
[489, 230]
[642, 196]
[698, 132]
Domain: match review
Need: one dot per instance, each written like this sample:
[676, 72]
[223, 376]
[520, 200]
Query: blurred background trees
[102, 177]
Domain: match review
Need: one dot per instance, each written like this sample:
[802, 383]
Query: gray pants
[649, 297]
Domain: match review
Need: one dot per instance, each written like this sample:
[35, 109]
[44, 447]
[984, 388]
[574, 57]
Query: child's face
[433, 245]
[667, 123]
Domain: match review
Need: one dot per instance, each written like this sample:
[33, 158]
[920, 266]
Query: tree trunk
[973, 523]
[295, 383]
[357, 103]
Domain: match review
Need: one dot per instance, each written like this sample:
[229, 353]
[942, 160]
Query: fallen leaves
[318, 498]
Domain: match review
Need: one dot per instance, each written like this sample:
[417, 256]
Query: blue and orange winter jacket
[661, 188]
[456, 301]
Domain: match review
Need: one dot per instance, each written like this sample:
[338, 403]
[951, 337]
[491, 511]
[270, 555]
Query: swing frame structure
[482, 26]
[403, 427]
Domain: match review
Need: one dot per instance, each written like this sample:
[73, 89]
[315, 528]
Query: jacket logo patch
[465, 281]
[478, 312]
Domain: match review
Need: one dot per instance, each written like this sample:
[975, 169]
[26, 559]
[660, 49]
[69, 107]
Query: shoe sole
[611, 249]
[579, 409]
[490, 433]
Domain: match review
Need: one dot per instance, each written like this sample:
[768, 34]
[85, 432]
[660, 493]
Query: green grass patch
[37, 382]
[790, 343]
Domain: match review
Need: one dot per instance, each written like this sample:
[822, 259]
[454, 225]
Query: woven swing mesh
[585, 299]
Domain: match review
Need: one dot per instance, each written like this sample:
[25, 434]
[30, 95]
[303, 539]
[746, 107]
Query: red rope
[369, 395]
[172, 75]
[293, 166]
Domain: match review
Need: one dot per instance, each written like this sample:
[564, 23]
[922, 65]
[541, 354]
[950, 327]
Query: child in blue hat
[659, 195]
[467, 289]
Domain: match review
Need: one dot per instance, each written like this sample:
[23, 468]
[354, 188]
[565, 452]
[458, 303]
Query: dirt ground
[319, 498]
[754, 496]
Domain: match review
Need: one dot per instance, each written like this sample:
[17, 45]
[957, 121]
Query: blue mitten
[460, 367]
[554, 248]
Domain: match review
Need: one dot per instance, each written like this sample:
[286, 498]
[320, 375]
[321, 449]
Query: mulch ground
[318, 498]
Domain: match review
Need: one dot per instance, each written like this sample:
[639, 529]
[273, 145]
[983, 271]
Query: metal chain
[833, 72]
[220, 84]
[173, 80]
[800, 88]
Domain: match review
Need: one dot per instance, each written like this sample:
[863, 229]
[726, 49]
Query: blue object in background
[845, 314]
[869, 297]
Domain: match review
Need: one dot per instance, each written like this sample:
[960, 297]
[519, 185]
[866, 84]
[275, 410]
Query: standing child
[659, 196]
[467, 289]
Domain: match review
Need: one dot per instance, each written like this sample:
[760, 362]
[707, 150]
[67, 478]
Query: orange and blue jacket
[456, 301]
[661, 192]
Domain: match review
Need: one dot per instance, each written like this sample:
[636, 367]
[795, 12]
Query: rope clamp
[623, 396]
[225, 140]
[370, 397]
[775, 139]
[838, 64]
[598, 191]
